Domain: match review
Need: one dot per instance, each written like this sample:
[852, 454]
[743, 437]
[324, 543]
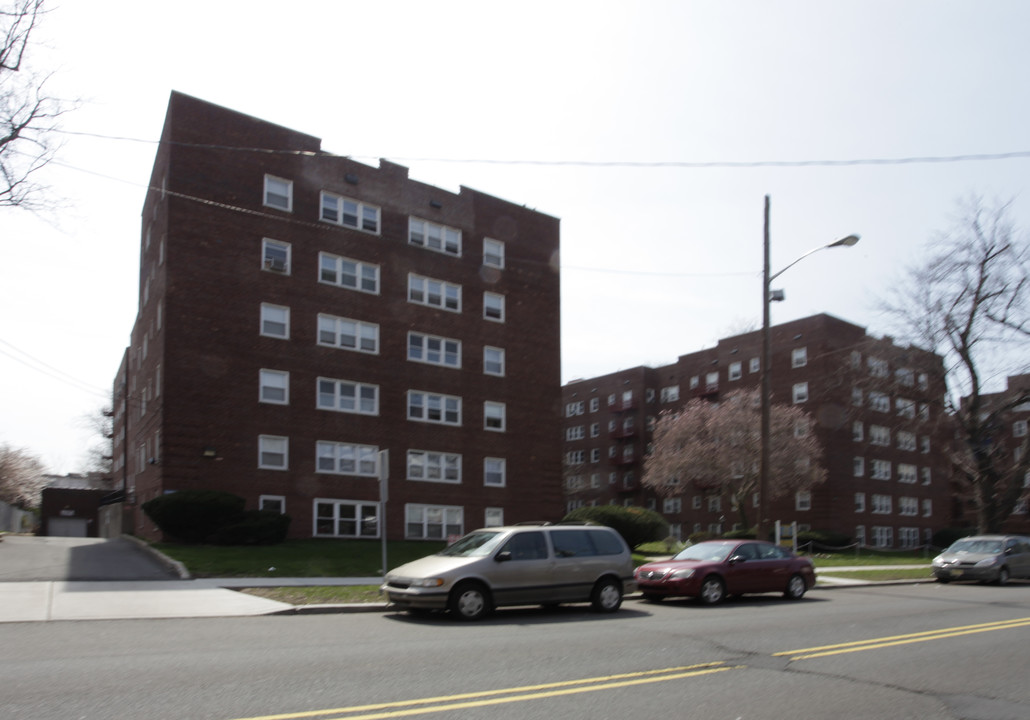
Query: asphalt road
[27, 558]
[906, 651]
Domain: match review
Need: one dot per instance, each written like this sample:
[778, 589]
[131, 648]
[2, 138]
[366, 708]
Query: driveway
[25, 558]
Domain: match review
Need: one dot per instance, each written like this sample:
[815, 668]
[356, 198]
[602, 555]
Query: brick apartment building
[299, 312]
[877, 407]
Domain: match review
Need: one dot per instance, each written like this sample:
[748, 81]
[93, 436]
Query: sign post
[384, 495]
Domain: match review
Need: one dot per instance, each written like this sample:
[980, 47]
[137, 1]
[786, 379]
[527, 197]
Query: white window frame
[447, 352]
[271, 192]
[433, 467]
[493, 517]
[365, 275]
[270, 446]
[434, 293]
[799, 357]
[493, 253]
[735, 371]
[494, 361]
[276, 256]
[434, 408]
[348, 396]
[434, 236]
[799, 393]
[365, 335]
[364, 513]
[1019, 428]
[882, 504]
[266, 310]
[495, 472]
[494, 307]
[803, 500]
[346, 459]
[860, 502]
[269, 380]
[451, 521]
[495, 416]
[344, 207]
[280, 499]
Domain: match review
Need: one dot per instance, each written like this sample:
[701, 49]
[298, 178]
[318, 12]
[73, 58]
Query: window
[595, 404]
[856, 396]
[803, 501]
[348, 396]
[493, 361]
[348, 334]
[754, 365]
[278, 193]
[878, 368]
[433, 522]
[734, 372]
[670, 394]
[493, 517]
[881, 470]
[927, 508]
[905, 376]
[880, 402]
[493, 306]
[800, 393]
[493, 253]
[799, 357]
[1019, 428]
[859, 466]
[434, 293]
[494, 416]
[573, 408]
[714, 504]
[428, 466]
[494, 472]
[350, 213]
[859, 502]
[347, 273]
[880, 435]
[857, 431]
[907, 474]
[274, 387]
[595, 430]
[906, 408]
[908, 537]
[273, 452]
[275, 321]
[926, 474]
[672, 506]
[274, 503]
[882, 504]
[346, 518]
[434, 237]
[906, 440]
[432, 408]
[574, 433]
[346, 459]
[434, 350]
[275, 256]
[924, 444]
[908, 506]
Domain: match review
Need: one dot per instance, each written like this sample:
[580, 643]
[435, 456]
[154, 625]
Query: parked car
[715, 569]
[518, 565]
[988, 558]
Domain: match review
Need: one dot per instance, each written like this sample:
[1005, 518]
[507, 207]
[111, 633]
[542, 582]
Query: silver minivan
[988, 558]
[517, 565]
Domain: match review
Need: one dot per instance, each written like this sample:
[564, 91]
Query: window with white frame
[433, 522]
[434, 408]
[493, 361]
[427, 466]
[856, 396]
[908, 537]
[882, 504]
[574, 408]
[348, 396]
[595, 430]
[695, 502]
[881, 470]
[905, 408]
[273, 452]
[493, 253]
[274, 387]
[926, 475]
[669, 394]
[431, 236]
[350, 213]
[494, 416]
[672, 506]
[494, 472]
[346, 459]
[860, 534]
[1019, 428]
[860, 502]
[434, 293]
[278, 193]
[493, 517]
[803, 501]
[273, 503]
[858, 466]
[735, 371]
[275, 321]
[878, 367]
[595, 455]
[346, 518]
[714, 504]
[754, 365]
[434, 350]
[575, 433]
[905, 376]
[908, 506]
[857, 431]
[595, 404]
[348, 334]
[275, 256]
[880, 402]
[924, 444]
[799, 357]
[493, 306]
[346, 273]
[799, 394]
[879, 435]
[906, 440]
[927, 508]
[907, 474]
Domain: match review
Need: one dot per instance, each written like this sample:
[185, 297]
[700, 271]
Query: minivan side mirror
[503, 556]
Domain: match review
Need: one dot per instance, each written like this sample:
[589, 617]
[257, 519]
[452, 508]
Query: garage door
[66, 527]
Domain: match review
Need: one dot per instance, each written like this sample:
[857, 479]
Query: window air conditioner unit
[276, 264]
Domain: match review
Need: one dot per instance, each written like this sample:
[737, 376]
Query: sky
[653, 130]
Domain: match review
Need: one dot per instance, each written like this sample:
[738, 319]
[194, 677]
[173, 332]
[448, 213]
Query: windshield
[980, 547]
[711, 552]
[477, 544]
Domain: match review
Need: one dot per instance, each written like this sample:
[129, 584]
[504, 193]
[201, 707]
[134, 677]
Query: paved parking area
[27, 559]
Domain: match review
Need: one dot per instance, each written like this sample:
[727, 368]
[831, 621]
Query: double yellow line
[895, 640]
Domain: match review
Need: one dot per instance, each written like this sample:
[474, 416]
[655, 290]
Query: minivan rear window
[584, 543]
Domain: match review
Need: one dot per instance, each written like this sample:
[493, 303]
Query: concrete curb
[174, 565]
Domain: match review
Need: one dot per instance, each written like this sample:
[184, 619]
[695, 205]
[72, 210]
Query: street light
[768, 296]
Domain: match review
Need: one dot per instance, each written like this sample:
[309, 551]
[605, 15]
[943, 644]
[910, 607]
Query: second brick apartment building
[299, 312]
[878, 412]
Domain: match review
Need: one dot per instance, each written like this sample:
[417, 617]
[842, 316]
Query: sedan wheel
[713, 591]
[607, 596]
[469, 601]
[796, 588]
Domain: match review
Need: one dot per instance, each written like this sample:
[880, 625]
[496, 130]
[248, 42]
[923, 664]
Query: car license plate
[956, 573]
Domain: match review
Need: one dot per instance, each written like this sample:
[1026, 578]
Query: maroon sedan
[713, 569]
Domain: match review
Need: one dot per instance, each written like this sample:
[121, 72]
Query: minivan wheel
[713, 590]
[1003, 576]
[796, 588]
[607, 595]
[469, 601]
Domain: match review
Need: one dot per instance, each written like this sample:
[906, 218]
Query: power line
[52, 372]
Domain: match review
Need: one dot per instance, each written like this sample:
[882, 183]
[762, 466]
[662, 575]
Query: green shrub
[700, 536]
[636, 525]
[740, 534]
[823, 540]
[192, 516]
[944, 538]
[254, 527]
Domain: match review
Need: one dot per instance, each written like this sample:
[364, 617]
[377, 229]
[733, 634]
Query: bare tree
[98, 456]
[21, 477]
[28, 114]
[970, 302]
[716, 448]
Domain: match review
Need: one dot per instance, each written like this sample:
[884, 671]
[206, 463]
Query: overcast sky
[653, 130]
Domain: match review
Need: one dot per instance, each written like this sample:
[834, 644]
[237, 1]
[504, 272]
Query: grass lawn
[900, 573]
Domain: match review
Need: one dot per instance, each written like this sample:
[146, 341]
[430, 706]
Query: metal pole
[763, 462]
